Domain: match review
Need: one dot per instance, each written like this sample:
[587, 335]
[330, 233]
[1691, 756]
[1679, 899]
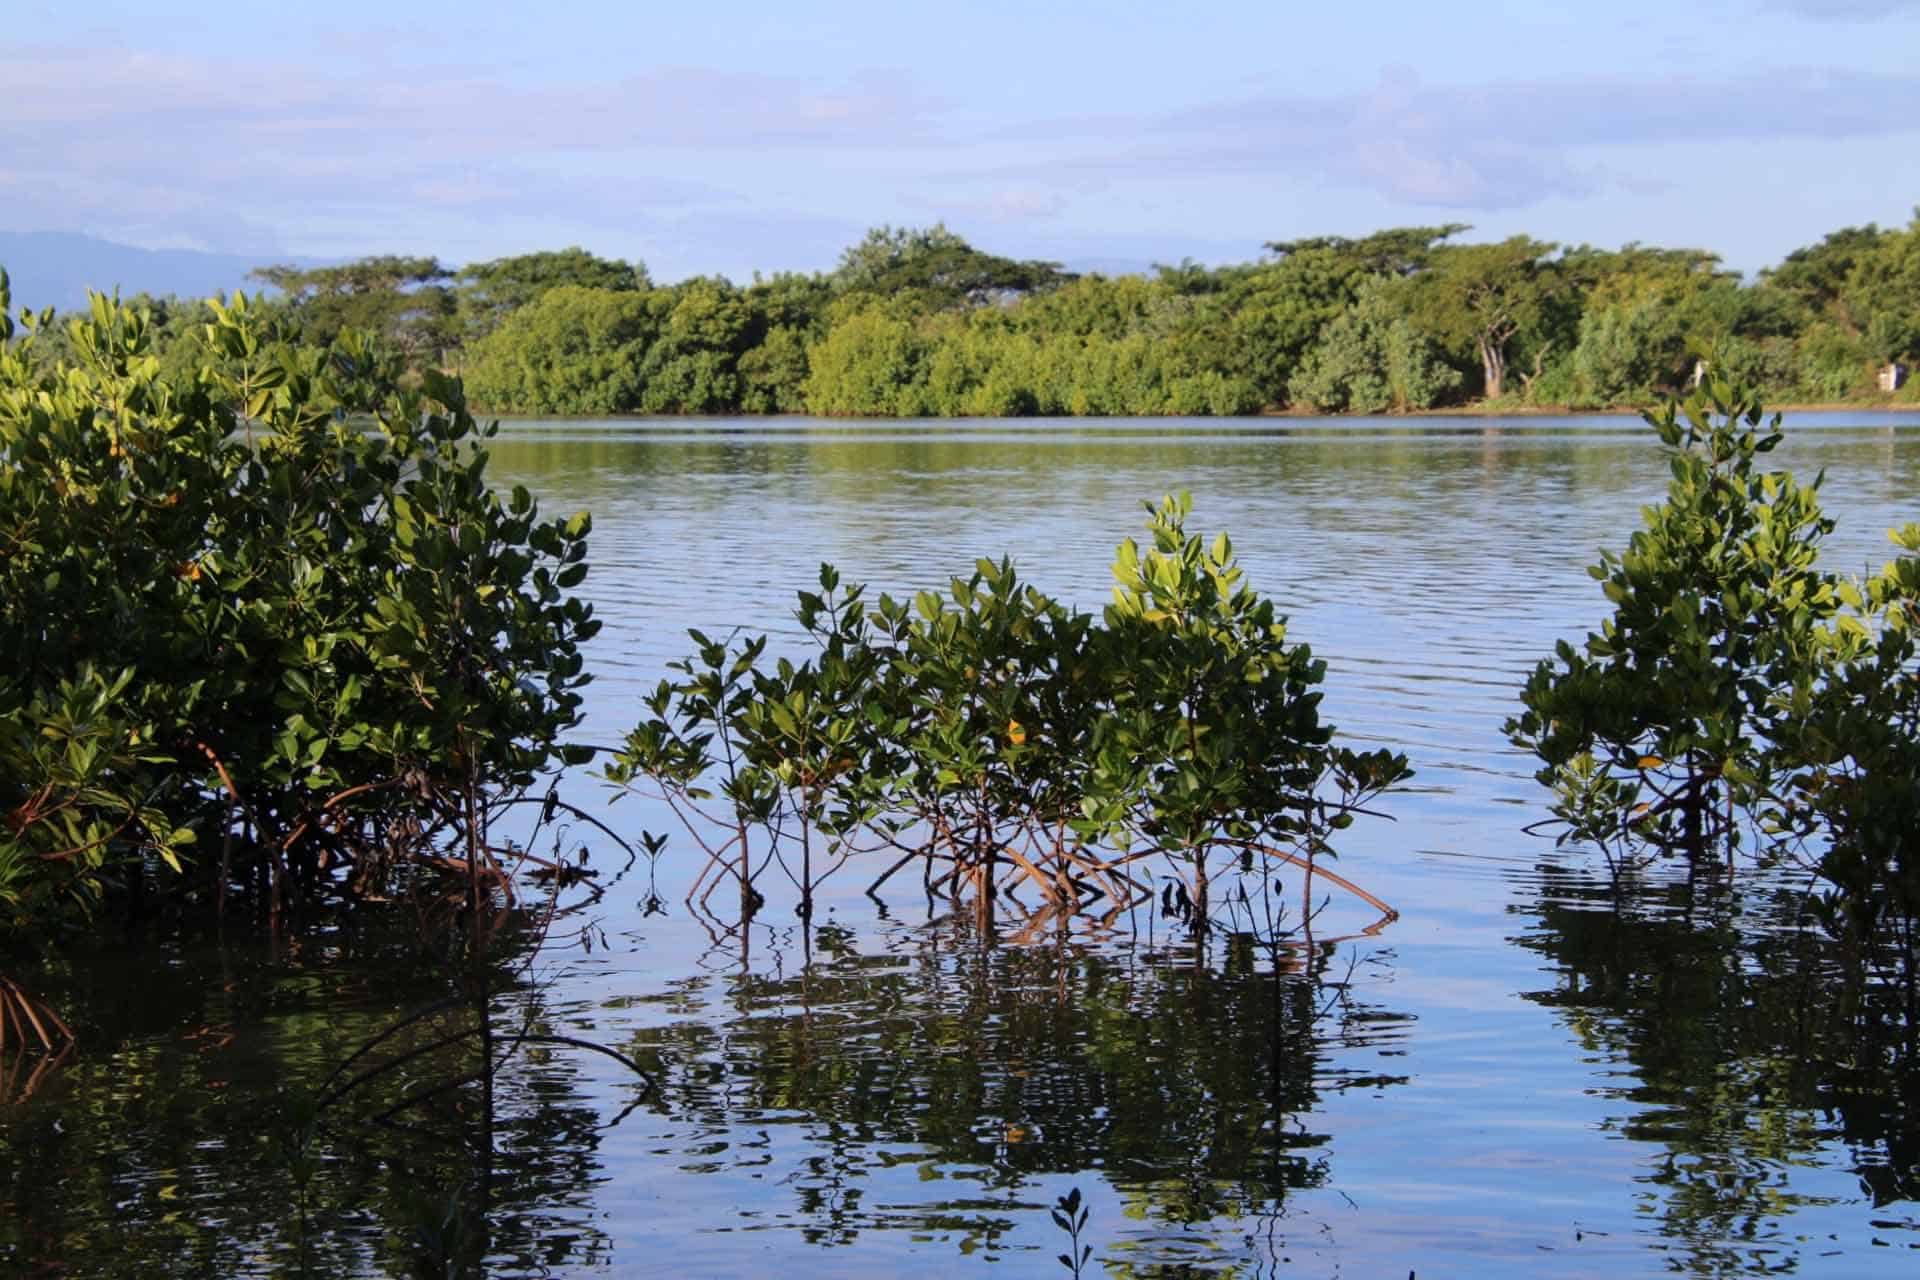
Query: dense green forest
[922, 323]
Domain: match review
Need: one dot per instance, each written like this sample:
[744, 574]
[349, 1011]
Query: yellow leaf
[1651, 762]
[1015, 734]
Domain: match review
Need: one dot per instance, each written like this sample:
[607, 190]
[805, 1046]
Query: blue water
[1521, 1076]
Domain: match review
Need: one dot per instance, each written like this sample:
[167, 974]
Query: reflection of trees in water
[1184, 1081]
[938, 462]
[1753, 1047]
[179, 1152]
[1400, 467]
[1185, 1085]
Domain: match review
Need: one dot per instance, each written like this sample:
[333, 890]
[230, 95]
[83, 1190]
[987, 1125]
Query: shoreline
[1452, 411]
[1564, 411]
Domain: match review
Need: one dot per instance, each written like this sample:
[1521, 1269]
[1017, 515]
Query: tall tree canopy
[1485, 296]
[934, 325]
[941, 268]
[403, 299]
[1816, 276]
[1882, 294]
[491, 291]
[1397, 251]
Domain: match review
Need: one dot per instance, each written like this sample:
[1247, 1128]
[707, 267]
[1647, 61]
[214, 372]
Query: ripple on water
[1533, 1071]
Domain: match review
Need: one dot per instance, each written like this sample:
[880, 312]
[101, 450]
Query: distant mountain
[56, 268]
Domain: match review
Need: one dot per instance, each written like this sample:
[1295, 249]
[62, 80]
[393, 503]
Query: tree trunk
[1528, 379]
[1493, 363]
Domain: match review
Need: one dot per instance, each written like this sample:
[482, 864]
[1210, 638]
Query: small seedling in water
[1070, 1217]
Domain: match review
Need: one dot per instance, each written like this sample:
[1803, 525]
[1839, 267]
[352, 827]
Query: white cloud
[1494, 146]
[1844, 10]
[149, 96]
[153, 148]
[242, 155]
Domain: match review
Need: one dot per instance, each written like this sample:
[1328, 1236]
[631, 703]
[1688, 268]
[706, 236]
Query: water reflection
[919, 1085]
[939, 1085]
[193, 1145]
[1674, 1082]
[1743, 1047]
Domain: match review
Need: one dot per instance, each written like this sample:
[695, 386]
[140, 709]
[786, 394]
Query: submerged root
[23, 1016]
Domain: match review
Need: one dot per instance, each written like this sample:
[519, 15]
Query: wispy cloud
[124, 141]
[1844, 10]
[239, 155]
[1489, 146]
[150, 97]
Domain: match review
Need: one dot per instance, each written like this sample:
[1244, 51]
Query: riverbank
[1891, 406]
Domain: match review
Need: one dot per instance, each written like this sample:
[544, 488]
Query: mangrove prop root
[1315, 869]
[23, 1010]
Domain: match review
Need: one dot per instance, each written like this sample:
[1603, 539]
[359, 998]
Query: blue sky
[739, 136]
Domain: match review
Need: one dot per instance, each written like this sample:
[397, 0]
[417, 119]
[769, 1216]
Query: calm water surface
[1522, 1076]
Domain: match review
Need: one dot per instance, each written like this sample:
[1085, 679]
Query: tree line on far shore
[918, 322]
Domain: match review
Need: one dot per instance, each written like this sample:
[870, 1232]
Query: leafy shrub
[270, 608]
[1020, 741]
[1740, 694]
[774, 373]
[1769, 365]
[1654, 732]
[573, 350]
[1834, 364]
[1371, 359]
[1854, 747]
[870, 364]
[1620, 357]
